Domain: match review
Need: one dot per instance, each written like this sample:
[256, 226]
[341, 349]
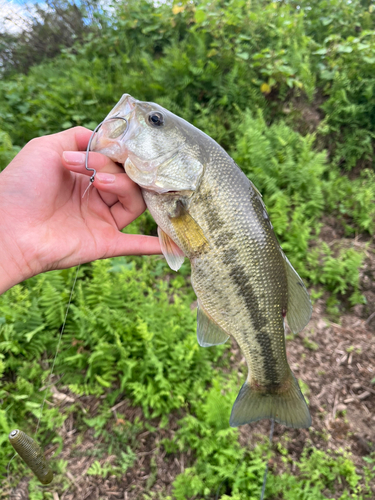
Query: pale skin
[45, 223]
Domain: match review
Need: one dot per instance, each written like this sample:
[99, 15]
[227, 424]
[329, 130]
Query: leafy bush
[7, 150]
[41, 31]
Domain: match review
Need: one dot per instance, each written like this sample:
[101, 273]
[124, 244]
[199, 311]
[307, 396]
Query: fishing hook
[92, 178]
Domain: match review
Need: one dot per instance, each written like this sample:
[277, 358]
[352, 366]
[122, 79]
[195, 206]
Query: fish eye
[156, 119]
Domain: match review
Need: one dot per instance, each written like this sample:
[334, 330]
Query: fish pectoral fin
[285, 407]
[172, 253]
[189, 231]
[299, 307]
[208, 332]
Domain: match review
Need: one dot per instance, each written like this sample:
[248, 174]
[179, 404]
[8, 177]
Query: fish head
[154, 145]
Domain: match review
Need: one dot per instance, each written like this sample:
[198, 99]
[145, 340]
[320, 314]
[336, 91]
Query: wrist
[11, 272]
[13, 268]
[7, 279]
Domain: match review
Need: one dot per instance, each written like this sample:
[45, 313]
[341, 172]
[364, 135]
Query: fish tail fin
[288, 407]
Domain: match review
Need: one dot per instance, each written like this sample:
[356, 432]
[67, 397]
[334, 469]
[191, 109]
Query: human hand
[45, 223]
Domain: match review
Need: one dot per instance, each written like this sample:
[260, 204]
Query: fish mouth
[109, 138]
[124, 107]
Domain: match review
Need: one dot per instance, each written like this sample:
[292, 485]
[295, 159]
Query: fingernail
[74, 157]
[105, 178]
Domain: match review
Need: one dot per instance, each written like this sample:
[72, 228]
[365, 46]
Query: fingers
[75, 162]
[134, 244]
[82, 136]
[73, 139]
[70, 140]
[130, 205]
[116, 189]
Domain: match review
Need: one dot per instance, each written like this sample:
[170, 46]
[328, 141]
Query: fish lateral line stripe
[259, 321]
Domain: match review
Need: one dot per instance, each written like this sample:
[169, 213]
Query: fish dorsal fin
[172, 253]
[189, 231]
[208, 332]
[299, 305]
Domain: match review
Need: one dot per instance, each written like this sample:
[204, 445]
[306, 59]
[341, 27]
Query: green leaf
[200, 16]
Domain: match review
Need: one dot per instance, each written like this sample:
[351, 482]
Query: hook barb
[92, 178]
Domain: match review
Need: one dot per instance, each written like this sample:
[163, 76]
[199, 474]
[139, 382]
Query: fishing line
[15, 433]
[57, 350]
[50, 375]
[92, 178]
[266, 471]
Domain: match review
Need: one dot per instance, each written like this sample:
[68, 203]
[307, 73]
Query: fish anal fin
[172, 253]
[208, 332]
[299, 307]
[189, 232]
[287, 407]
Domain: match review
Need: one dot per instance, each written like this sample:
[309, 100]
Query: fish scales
[250, 310]
[208, 209]
[254, 317]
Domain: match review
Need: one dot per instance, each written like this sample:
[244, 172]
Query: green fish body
[208, 210]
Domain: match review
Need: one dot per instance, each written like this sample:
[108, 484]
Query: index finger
[74, 139]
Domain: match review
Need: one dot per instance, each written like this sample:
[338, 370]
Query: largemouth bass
[209, 211]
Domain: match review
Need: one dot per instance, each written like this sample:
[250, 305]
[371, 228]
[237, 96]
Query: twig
[366, 409]
[335, 406]
[370, 318]
[114, 408]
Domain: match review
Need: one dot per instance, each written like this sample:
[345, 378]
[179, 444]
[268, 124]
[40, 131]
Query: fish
[208, 210]
[32, 454]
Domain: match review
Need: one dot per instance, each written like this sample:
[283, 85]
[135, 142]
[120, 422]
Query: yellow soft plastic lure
[32, 454]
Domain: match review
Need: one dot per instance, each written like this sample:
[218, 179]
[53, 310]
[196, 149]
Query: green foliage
[338, 274]
[318, 472]
[346, 67]
[118, 316]
[352, 201]
[122, 331]
[7, 150]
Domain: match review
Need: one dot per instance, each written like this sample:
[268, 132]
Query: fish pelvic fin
[208, 332]
[299, 308]
[173, 254]
[287, 407]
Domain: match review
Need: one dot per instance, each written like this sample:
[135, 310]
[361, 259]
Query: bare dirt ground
[334, 359]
